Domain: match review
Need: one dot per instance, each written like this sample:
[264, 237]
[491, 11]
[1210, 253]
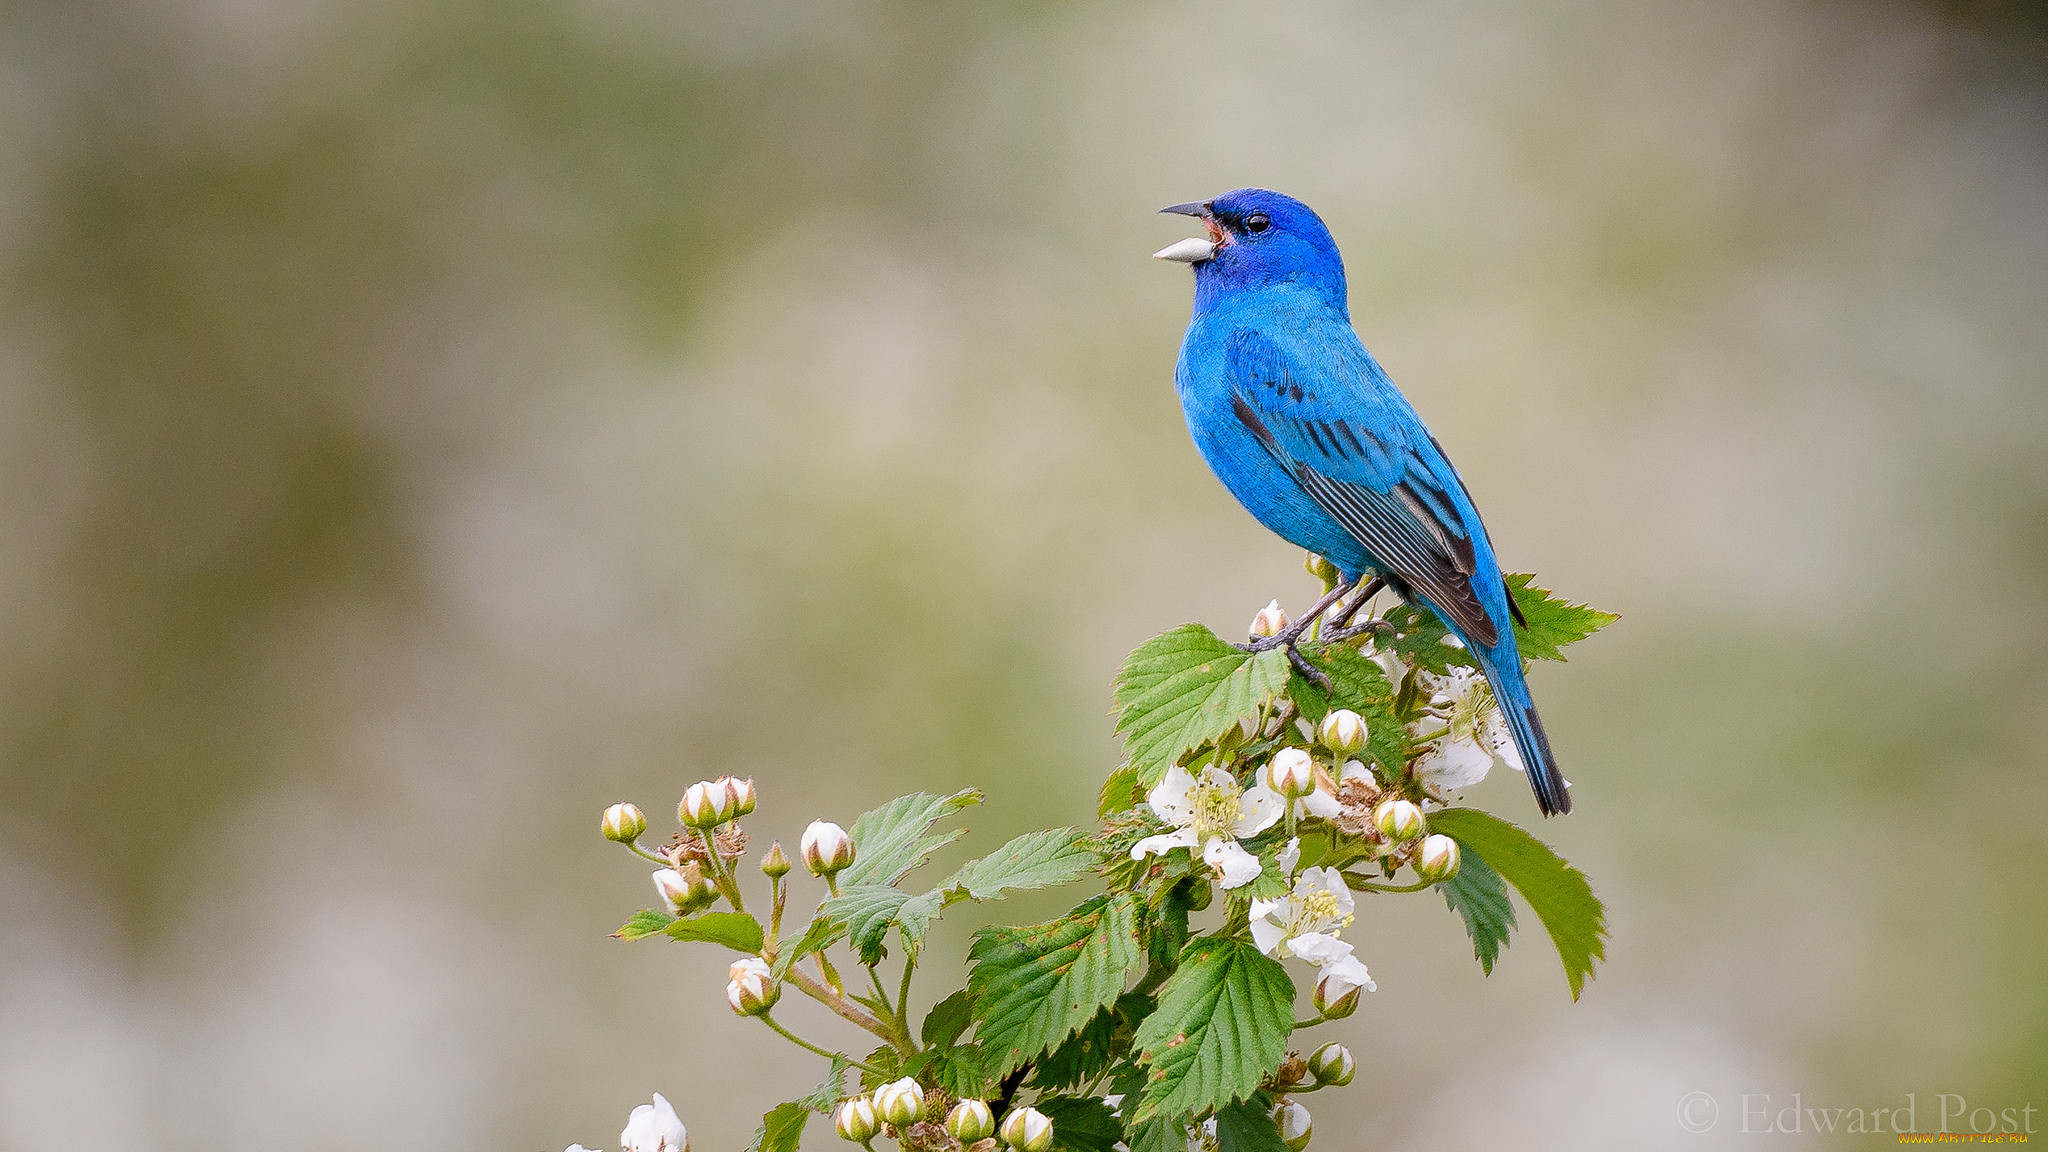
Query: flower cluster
[1273, 794]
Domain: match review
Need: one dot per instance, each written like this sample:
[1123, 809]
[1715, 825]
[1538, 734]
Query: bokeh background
[422, 425]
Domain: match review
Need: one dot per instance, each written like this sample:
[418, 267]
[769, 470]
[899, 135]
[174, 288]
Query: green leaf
[1557, 892]
[1034, 986]
[1478, 894]
[1552, 621]
[1358, 684]
[831, 1090]
[823, 930]
[867, 910]
[1184, 687]
[1080, 1057]
[947, 1020]
[780, 1129]
[1120, 793]
[1081, 1125]
[1035, 860]
[1248, 1126]
[644, 923]
[1419, 638]
[735, 930]
[1159, 1134]
[1221, 1027]
[964, 1071]
[890, 840]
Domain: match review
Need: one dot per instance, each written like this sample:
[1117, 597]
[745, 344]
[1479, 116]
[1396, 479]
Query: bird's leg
[1367, 591]
[1290, 637]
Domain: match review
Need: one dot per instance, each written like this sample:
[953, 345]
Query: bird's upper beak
[1191, 250]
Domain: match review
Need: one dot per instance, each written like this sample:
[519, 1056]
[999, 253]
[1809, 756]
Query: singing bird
[1302, 425]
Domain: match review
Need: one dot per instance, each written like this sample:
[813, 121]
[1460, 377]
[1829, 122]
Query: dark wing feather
[1373, 483]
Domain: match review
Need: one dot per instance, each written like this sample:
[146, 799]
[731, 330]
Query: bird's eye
[1257, 222]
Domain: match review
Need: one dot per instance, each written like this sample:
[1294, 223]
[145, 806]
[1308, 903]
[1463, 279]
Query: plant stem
[903, 994]
[849, 1012]
[800, 1042]
[644, 854]
[1358, 884]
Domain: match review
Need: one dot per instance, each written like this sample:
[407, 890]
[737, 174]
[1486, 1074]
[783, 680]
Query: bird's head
[1258, 238]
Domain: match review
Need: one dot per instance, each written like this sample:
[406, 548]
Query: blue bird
[1302, 426]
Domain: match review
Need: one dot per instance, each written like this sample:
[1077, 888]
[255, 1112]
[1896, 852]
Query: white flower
[1319, 907]
[655, 1128]
[750, 987]
[1295, 1125]
[1391, 663]
[1471, 741]
[1210, 817]
[1342, 971]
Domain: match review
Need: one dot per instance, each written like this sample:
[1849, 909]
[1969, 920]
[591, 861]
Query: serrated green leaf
[644, 923]
[947, 1020]
[1558, 893]
[1035, 860]
[818, 936]
[1159, 1134]
[1034, 986]
[964, 1071]
[1081, 1125]
[1120, 793]
[1360, 685]
[1480, 897]
[781, 1128]
[891, 840]
[1184, 687]
[830, 1090]
[1248, 1126]
[735, 930]
[1221, 1027]
[1080, 1057]
[867, 910]
[884, 1064]
[1419, 639]
[1552, 621]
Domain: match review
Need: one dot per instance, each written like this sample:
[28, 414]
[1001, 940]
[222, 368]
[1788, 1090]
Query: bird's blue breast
[1305, 328]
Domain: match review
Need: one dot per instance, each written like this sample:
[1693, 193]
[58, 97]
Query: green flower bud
[686, 891]
[1319, 566]
[970, 1122]
[775, 864]
[1398, 820]
[1027, 1130]
[856, 1120]
[624, 823]
[750, 987]
[1291, 773]
[706, 804]
[1332, 1065]
[1335, 998]
[1295, 1126]
[900, 1103]
[1438, 859]
[742, 792]
[1343, 731]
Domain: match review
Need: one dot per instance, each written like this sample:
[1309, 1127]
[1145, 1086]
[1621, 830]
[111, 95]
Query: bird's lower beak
[1190, 251]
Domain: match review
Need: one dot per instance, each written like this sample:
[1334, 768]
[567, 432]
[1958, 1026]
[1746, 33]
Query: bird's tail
[1518, 708]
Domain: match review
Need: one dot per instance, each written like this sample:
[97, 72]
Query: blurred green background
[423, 425]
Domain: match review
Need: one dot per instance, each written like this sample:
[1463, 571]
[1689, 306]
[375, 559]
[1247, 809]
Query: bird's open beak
[1191, 250]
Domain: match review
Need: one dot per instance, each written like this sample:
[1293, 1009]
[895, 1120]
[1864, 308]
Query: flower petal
[1163, 843]
[1263, 808]
[1287, 859]
[1238, 866]
[1451, 764]
[1168, 799]
[1319, 804]
[1266, 934]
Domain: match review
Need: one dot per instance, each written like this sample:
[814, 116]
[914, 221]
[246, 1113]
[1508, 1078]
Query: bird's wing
[1368, 464]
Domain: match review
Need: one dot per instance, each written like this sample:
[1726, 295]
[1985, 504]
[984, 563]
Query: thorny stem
[644, 854]
[903, 993]
[800, 1042]
[849, 1012]
[778, 889]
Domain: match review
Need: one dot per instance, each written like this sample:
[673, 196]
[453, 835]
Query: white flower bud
[900, 1103]
[775, 865]
[1438, 859]
[1291, 773]
[970, 1122]
[856, 1120]
[1335, 998]
[1027, 1130]
[686, 891]
[742, 793]
[1398, 820]
[1271, 621]
[706, 804]
[1332, 1065]
[1295, 1125]
[654, 1128]
[826, 848]
[624, 823]
[1343, 731]
[750, 987]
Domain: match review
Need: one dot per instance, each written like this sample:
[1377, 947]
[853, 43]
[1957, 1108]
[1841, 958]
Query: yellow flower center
[1315, 908]
[1216, 810]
